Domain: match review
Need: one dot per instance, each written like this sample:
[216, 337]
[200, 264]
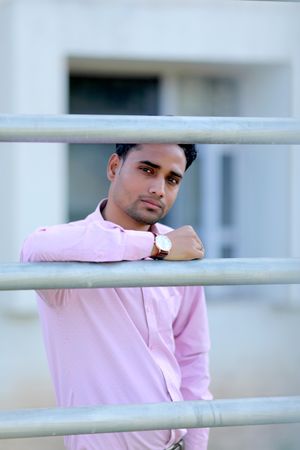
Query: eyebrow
[156, 166]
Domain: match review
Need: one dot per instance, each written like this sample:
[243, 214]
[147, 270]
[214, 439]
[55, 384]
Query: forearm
[88, 243]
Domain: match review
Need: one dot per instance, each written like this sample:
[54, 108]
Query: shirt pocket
[167, 303]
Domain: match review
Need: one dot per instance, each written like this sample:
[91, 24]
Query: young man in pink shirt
[127, 345]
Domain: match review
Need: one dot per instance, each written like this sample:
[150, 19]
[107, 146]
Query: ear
[113, 166]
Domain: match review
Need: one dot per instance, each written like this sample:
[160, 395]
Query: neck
[114, 214]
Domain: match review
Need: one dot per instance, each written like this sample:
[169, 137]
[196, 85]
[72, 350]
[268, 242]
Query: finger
[202, 250]
[200, 245]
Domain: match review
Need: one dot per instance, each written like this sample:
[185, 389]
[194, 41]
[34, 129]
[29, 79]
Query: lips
[152, 203]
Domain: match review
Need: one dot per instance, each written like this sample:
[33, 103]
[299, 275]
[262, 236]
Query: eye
[174, 181]
[146, 170]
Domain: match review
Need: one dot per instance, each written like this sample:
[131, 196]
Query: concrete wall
[253, 346]
[219, 38]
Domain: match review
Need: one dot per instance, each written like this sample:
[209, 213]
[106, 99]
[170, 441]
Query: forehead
[167, 156]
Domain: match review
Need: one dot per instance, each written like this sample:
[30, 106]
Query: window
[87, 162]
[206, 198]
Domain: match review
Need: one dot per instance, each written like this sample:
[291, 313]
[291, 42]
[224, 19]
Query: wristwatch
[163, 245]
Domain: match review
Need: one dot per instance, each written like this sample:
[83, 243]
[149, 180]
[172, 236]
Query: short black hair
[189, 151]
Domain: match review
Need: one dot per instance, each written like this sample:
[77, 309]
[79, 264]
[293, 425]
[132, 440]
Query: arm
[86, 242]
[192, 346]
[90, 241]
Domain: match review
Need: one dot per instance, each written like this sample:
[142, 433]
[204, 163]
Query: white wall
[37, 38]
[295, 165]
[264, 171]
[40, 38]
[44, 35]
[7, 161]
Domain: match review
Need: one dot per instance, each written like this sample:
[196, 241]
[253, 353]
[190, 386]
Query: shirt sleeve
[86, 242]
[192, 345]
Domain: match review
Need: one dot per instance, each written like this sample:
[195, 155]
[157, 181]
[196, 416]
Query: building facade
[179, 57]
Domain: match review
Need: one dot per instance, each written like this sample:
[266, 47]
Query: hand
[186, 244]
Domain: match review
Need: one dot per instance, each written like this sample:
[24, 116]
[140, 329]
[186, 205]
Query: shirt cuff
[138, 245]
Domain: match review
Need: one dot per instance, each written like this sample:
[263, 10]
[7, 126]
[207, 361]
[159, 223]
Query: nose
[157, 187]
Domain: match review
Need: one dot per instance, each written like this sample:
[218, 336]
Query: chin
[146, 217]
[152, 220]
[147, 220]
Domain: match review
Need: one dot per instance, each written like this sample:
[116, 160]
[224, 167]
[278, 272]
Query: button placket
[154, 343]
[150, 317]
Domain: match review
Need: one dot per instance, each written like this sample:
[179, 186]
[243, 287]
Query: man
[128, 345]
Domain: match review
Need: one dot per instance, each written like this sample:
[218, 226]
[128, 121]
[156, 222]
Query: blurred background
[155, 57]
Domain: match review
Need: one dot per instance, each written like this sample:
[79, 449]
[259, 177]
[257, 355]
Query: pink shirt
[124, 345]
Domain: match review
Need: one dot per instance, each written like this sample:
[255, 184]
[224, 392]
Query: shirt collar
[97, 215]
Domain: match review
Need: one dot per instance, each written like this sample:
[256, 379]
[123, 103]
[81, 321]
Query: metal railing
[154, 416]
[106, 129]
[207, 272]
[118, 418]
[143, 129]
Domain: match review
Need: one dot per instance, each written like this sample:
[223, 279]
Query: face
[145, 185]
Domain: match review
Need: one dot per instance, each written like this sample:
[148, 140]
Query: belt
[178, 446]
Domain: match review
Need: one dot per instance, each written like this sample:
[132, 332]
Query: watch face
[163, 243]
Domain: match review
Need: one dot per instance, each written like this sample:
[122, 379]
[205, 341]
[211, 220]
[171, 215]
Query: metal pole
[160, 129]
[215, 272]
[277, 1]
[155, 416]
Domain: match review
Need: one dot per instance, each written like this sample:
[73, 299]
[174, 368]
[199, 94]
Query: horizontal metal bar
[154, 416]
[143, 129]
[150, 273]
[276, 1]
